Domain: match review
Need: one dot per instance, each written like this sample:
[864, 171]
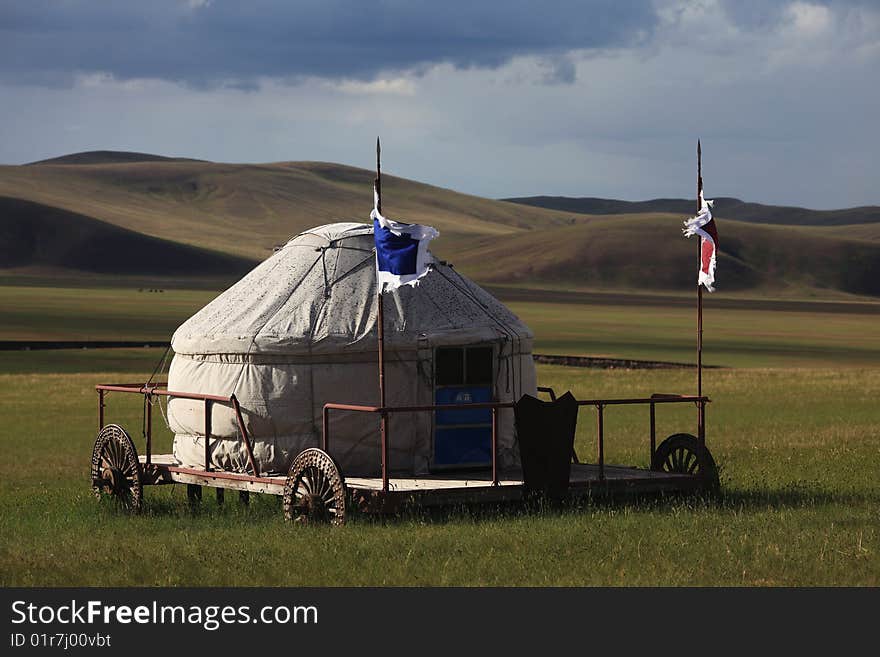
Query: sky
[504, 98]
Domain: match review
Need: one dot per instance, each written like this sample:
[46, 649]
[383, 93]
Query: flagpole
[699, 293]
[381, 326]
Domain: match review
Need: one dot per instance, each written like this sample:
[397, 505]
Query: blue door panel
[463, 395]
[460, 446]
[463, 445]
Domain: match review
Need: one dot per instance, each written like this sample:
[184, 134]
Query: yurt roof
[317, 294]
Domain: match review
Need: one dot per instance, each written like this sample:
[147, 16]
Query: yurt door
[463, 438]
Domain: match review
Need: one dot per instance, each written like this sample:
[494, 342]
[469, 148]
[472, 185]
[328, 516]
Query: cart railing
[160, 389]
[599, 404]
[385, 411]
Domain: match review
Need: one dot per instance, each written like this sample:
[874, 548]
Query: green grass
[60, 313]
[800, 502]
[735, 337]
[71, 361]
[799, 450]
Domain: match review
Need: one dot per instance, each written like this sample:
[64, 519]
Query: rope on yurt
[328, 286]
[354, 269]
[148, 399]
[275, 311]
[159, 365]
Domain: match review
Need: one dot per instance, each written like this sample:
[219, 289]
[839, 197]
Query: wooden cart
[316, 490]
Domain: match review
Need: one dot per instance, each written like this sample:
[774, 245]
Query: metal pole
[699, 286]
[100, 410]
[699, 292]
[149, 436]
[494, 445]
[381, 326]
[702, 427]
[244, 435]
[380, 319]
[601, 431]
[208, 404]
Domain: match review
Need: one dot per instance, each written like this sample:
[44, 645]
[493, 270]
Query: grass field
[61, 313]
[794, 425]
[734, 337]
[800, 502]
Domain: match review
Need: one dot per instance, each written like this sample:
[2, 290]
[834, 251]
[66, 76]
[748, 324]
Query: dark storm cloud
[202, 43]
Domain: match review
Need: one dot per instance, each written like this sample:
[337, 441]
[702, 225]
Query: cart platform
[430, 489]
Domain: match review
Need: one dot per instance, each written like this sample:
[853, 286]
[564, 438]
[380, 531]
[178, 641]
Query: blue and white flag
[402, 255]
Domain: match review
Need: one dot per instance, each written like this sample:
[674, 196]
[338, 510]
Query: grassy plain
[800, 502]
[75, 313]
[734, 337]
[794, 426]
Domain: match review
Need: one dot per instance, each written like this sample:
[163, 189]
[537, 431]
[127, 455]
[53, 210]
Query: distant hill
[647, 252]
[35, 235]
[125, 214]
[246, 209]
[109, 157]
[728, 208]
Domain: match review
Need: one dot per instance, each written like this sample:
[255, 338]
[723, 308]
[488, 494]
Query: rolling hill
[110, 157]
[37, 236]
[642, 251]
[123, 214]
[725, 207]
[246, 209]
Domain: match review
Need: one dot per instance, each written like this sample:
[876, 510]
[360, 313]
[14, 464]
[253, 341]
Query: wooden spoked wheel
[315, 490]
[683, 453]
[116, 471]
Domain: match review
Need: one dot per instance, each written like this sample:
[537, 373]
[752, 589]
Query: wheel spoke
[327, 487]
[117, 455]
[308, 481]
[319, 481]
[686, 460]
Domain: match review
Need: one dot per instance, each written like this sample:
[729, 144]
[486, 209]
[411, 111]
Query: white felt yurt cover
[300, 330]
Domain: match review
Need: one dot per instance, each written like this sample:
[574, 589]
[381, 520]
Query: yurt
[300, 330]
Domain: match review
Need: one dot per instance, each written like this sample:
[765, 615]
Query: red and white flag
[704, 226]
